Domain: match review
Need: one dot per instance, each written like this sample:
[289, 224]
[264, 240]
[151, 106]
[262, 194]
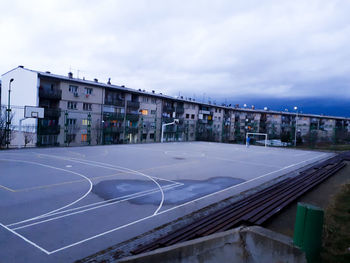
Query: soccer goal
[256, 138]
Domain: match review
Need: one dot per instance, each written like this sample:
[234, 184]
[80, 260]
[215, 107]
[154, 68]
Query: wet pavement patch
[190, 190]
[179, 158]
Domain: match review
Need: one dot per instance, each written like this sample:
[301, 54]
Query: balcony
[48, 130]
[50, 94]
[118, 103]
[113, 116]
[167, 119]
[132, 117]
[204, 112]
[113, 129]
[52, 113]
[133, 104]
[168, 109]
[131, 130]
[180, 110]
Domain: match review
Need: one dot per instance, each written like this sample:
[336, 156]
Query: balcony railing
[118, 103]
[209, 122]
[113, 116]
[132, 117]
[167, 119]
[205, 112]
[113, 129]
[180, 110]
[168, 108]
[131, 130]
[52, 113]
[47, 130]
[133, 104]
[50, 94]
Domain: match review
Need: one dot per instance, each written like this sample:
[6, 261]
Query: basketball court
[63, 204]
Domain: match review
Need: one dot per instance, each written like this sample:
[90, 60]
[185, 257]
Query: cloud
[223, 48]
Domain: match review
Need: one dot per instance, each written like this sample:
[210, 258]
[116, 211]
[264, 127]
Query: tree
[3, 119]
[72, 133]
[98, 129]
[28, 134]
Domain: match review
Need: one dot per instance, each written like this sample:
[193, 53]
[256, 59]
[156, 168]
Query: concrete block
[250, 245]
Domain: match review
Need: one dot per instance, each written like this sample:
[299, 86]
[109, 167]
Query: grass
[336, 238]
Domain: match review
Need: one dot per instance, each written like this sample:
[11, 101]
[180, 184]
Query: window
[187, 116]
[144, 99]
[144, 112]
[153, 100]
[72, 105]
[219, 118]
[88, 91]
[86, 122]
[153, 112]
[83, 137]
[73, 88]
[151, 135]
[87, 106]
[144, 136]
[71, 121]
[219, 110]
[192, 116]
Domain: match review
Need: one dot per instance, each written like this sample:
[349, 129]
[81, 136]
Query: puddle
[190, 190]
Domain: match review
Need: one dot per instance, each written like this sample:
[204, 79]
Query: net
[259, 139]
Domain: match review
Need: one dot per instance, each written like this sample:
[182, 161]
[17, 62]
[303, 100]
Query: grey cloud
[234, 48]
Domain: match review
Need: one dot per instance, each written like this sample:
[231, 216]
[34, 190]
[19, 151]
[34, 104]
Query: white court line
[111, 167]
[60, 169]
[89, 209]
[97, 203]
[95, 206]
[25, 239]
[103, 165]
[244, 162]
[115, 168]
[175, 207]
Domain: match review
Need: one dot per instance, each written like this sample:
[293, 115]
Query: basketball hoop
[33, 112]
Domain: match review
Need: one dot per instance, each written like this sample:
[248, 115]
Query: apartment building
[84, 112]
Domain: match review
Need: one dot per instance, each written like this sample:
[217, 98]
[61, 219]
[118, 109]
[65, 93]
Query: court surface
[62, 204]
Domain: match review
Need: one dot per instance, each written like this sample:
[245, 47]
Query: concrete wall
[250, 245]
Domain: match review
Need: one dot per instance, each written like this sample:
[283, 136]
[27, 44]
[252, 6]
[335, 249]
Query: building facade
[83, 112]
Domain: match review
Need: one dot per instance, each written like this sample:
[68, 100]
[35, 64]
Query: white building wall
[24, 92]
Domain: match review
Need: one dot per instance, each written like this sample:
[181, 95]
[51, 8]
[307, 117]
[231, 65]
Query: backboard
[33, 112]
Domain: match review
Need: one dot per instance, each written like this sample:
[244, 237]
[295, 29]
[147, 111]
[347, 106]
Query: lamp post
[296, 123]
[8, 122]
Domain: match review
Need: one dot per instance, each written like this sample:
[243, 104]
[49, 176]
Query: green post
[308, 230]
[66, 127]
[89, 128]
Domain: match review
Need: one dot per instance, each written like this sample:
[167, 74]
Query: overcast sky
[230, 48]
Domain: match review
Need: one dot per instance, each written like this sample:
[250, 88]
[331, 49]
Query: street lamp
[296, 123]
[8, 122]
